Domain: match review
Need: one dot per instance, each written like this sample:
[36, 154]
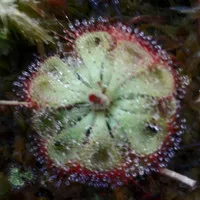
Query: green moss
[18, 178]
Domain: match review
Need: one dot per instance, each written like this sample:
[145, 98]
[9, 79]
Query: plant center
[99, 101]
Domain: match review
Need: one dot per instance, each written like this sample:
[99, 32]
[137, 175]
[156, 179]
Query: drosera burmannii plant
[109, 110]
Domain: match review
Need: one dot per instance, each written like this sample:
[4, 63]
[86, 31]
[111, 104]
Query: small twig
[184, 179]
[147, 19]
[41, 50]
[193, 145]
[14, 103]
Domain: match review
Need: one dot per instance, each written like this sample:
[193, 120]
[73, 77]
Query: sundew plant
[104, 101]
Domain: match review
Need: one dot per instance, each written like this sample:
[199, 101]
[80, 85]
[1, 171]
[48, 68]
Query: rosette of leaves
[109, 111]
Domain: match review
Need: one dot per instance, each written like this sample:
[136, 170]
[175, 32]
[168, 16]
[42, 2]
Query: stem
[14, 103]
[184, 179]
[198, 21]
